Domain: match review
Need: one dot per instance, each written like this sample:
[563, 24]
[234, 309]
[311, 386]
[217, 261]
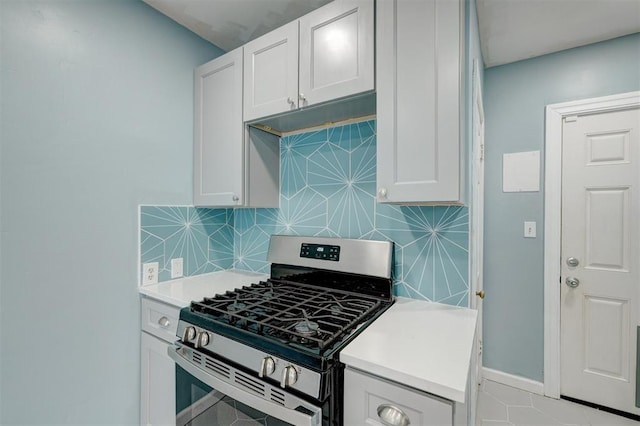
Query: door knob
[573, 262]
[572, 282]
[480, 294]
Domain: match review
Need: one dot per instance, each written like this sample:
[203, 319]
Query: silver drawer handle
[392, 415]
[164, 322]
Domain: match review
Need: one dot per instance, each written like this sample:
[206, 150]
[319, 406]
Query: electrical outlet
[150, 273]
[176, 267]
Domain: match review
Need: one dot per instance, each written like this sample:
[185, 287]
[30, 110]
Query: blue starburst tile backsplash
[327, 188]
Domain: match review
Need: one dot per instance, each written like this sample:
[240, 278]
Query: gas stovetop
[304, 316]
[320, 293]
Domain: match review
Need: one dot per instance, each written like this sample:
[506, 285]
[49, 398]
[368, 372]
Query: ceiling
[510, 30]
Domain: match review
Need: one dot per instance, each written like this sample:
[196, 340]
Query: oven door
[211, 392]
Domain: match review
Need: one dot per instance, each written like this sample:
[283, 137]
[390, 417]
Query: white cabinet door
[158, 383]
[418, 82]
[271, 73]
[370, 400]
[218, 132]
[336, 51]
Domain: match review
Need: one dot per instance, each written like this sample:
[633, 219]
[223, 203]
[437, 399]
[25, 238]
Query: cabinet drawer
[160, 319]
[366, 395]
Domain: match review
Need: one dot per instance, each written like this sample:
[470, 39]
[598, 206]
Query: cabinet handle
[392, 415]
[302, 97]
[235, 198]
[291, 101]
[164, 322]
[382, 193]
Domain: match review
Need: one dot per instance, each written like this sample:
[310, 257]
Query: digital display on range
[320, 252]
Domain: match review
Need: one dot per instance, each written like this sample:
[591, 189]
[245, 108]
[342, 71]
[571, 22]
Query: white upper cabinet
[218, 132]
[419, 89]
[271, 73]
[336, 51]
[325, 55]
[234, 166]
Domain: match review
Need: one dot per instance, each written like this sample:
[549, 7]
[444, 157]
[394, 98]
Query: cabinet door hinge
[481, 152]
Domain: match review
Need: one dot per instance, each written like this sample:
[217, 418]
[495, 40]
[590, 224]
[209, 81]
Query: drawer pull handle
[392, 415]
[164, 322]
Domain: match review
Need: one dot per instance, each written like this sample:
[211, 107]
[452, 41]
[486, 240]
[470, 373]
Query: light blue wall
[515, 98]
[96, 119]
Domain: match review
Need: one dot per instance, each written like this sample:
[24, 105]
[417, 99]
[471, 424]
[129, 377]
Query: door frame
[477, 220]
[554, 116]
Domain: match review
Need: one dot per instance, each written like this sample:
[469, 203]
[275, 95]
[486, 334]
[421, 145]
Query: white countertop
[181, 292]
[420, 344]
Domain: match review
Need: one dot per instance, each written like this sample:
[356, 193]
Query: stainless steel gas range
[269, 352]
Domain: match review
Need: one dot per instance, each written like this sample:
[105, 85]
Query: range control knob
[267, 367]
[203, 339]
[189, 334]
[289, 376]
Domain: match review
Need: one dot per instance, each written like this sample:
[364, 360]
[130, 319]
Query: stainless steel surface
[188, 334]
[480, 294]
[392, 415]
[164, 322]
[308, 381]
[232, 382]
[573, 262]
[289, 376]
[572, 282]
[363, 257]
[267, 367]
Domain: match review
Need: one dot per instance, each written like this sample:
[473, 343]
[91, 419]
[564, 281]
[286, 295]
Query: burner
[306, 328]
[336, 309]
[236, 306]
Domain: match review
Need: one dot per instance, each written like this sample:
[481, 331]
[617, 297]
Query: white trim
[552, 220]
[514, 381]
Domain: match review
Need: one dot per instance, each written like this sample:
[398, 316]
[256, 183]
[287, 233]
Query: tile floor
[500, 405]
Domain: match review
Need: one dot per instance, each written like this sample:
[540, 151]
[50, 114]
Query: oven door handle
[283, 413]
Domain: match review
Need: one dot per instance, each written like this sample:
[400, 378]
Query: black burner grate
[297, 314]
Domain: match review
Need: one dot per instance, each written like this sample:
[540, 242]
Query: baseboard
[514, 381]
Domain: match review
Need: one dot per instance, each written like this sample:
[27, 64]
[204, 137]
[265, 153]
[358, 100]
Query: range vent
[277, 397]
[250, 383]
[216, 367]
[196, 357]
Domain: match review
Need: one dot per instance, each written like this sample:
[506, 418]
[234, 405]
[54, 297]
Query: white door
[218, 132]
[600, 258]
[336, 51]
[158, 383]
[271, 73]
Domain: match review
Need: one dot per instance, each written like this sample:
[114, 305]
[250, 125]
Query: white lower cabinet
[157, 381]
[371, 400]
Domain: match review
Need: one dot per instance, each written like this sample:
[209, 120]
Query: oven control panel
[320, 251]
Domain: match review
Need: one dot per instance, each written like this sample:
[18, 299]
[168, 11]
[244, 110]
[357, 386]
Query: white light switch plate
[176, 267]
[529, 229]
